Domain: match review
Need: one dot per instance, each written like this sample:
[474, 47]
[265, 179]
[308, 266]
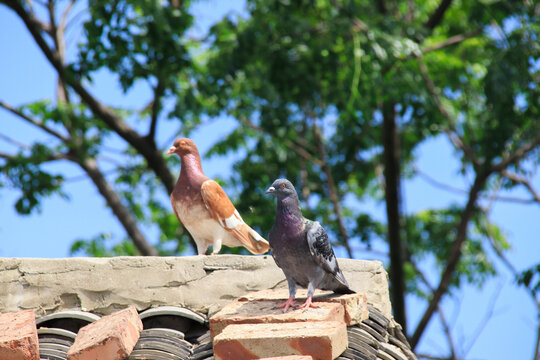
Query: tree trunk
[392, 198]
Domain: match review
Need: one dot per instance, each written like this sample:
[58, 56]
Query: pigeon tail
[257, 244]
[342, 289]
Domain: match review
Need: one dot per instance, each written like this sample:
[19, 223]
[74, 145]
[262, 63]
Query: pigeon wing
[223, 211]
[321, 250]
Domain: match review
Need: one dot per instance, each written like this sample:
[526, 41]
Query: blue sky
[25, 76]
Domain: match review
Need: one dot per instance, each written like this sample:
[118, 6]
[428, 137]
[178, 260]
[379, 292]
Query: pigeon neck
[191, 170]
[288, 212]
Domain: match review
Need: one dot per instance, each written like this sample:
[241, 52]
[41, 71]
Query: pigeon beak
[271, 190]
[172, 150]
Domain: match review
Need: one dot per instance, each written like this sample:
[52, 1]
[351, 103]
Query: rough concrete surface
[200, 283]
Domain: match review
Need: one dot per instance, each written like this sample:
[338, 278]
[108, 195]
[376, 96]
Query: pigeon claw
[289, 303]
[308, 304]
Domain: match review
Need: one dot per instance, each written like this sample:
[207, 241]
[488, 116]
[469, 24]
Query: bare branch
[452, 132]
[152, 155]
[515, 274]
[524, 181]
[456, 39]
[44, 26]
[516, 155]
[332, 189]
[33, 121]
[75, 18]
[447, 332]
[14, 142]
[436, 183]
[300, 150]
[490, 309]
[121, 212]
[35, 27]
[63, 19]
[303, 168]
[437, 16]
[156, 107]
[357, 23]
[442, 317]
[57, 32]
[453, 258]
[500, 30]
[52, 157]
[6, 156]
[433, 357]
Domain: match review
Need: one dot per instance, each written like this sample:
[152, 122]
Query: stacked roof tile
[180, 334]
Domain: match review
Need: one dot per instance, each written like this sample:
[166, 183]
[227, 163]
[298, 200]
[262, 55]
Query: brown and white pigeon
[300, 247]
[205, 210]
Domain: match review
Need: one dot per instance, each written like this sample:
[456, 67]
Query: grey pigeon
[301, 249]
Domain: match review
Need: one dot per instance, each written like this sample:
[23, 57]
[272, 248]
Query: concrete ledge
[200, 283]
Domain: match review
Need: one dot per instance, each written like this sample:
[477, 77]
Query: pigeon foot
[289, 303]
[308, 304]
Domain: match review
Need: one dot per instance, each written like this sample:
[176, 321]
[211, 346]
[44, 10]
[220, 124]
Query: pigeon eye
[282, 186]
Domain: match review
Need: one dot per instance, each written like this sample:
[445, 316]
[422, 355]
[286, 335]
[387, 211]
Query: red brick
[323, 340]
[18, 336]
[110, 338]
[355, 305]
[290, 357]
[262, 312]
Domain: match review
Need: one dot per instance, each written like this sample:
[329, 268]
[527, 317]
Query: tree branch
[524, 181]
[456, 39]
[288, 143]
[447, 333]
[516, 155]
[487, 316]
[442, 317]
[303, 168]
[33, 122]
[52, 157]
[57, 33]
[357, 23]
[452, 132]
[156, 107]
[516, 274]
[436, 183]
[35, 27]
[437, 16]
[90, 166]
[332, 189]
[14, 142]
[152, 155]
[433, 357]
[453, 258]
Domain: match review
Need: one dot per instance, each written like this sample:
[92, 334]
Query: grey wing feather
[321, 250]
